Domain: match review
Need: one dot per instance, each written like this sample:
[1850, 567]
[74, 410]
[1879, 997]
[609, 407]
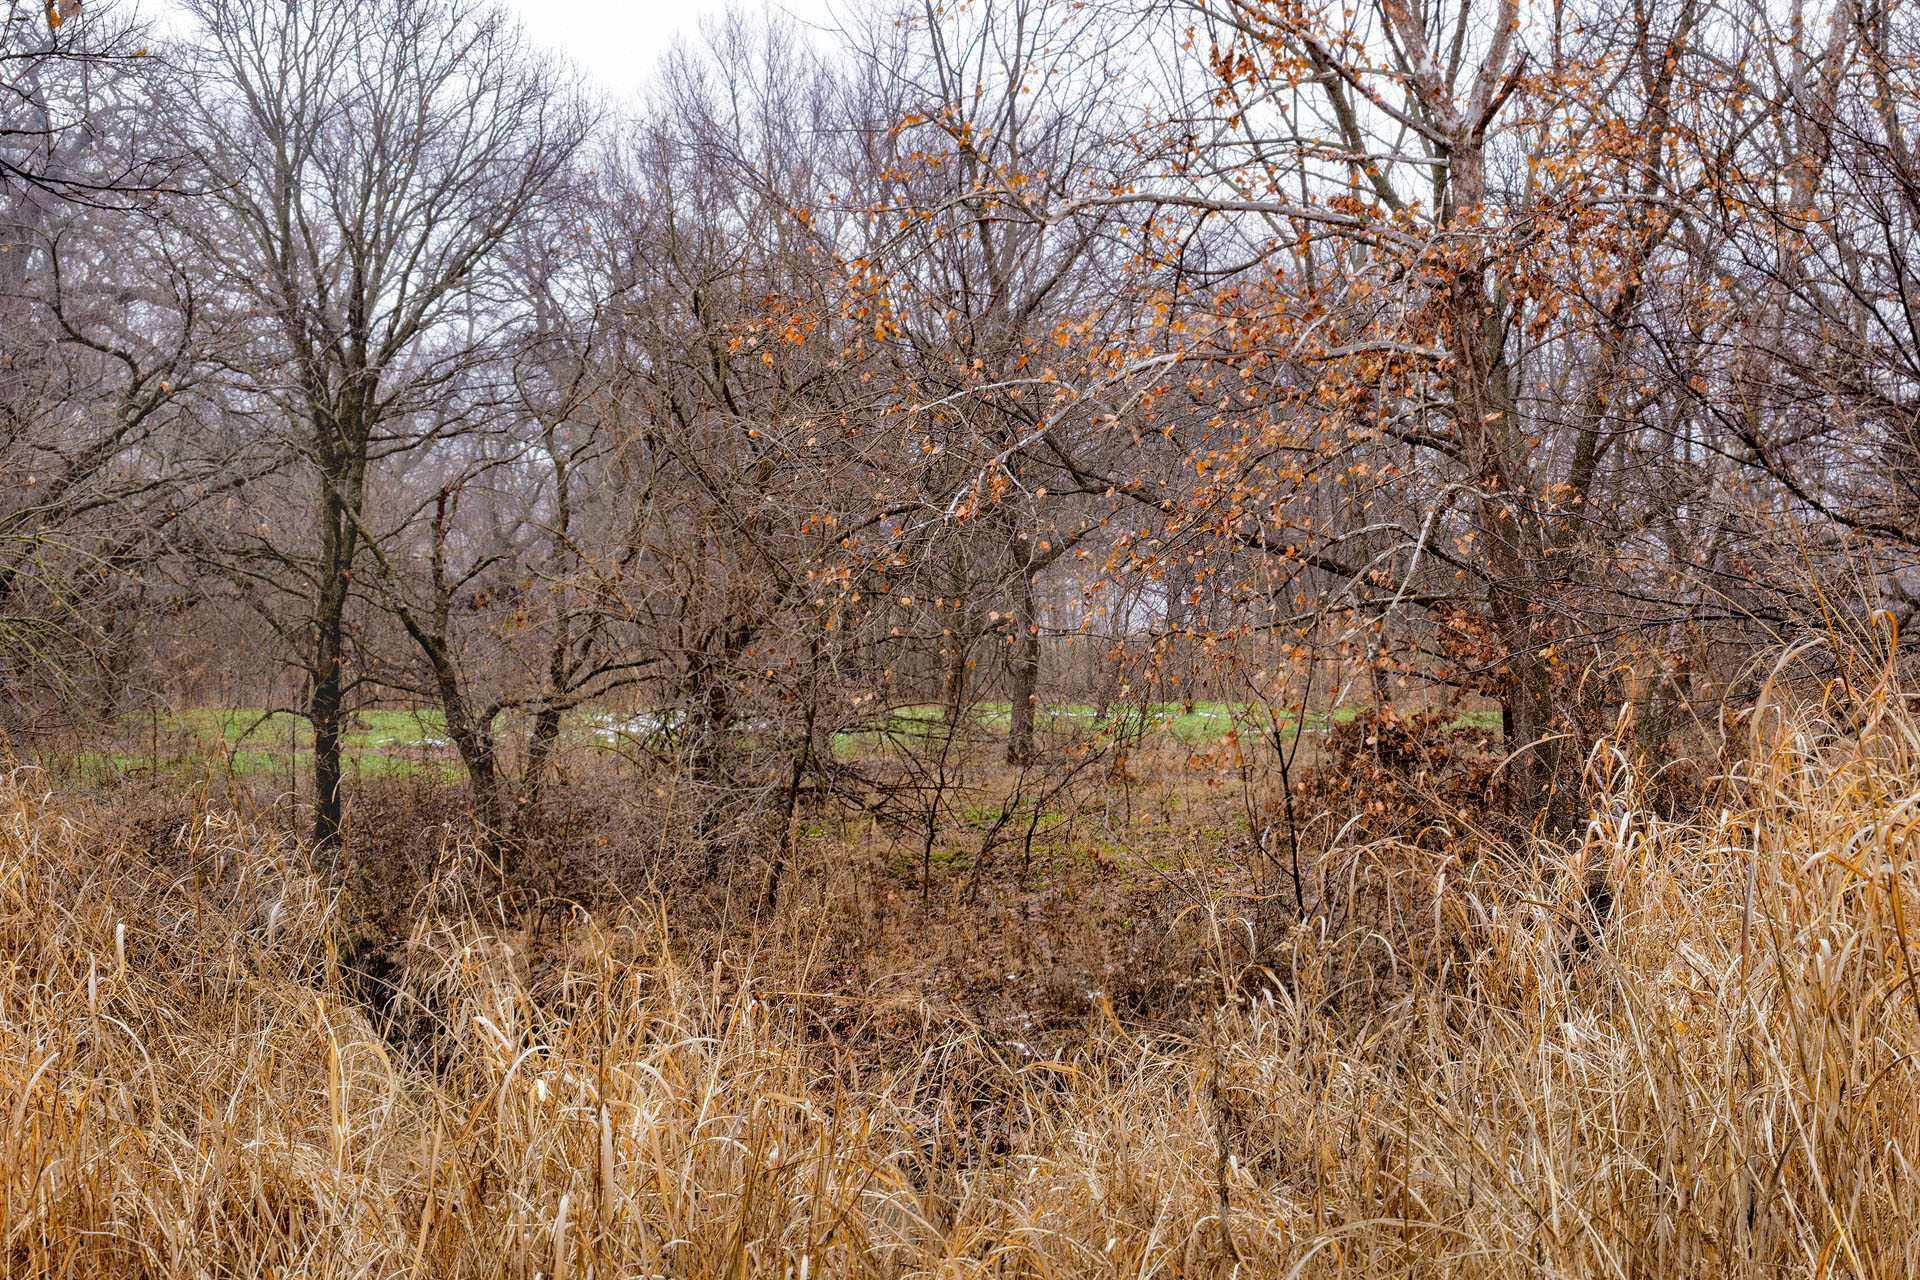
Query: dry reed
[1717, 1080]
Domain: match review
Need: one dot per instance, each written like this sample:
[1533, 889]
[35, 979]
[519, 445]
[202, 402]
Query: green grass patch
[256, 745]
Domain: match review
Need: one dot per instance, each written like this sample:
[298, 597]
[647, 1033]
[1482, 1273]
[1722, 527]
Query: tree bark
[1527, 715]
[960, 641]
[326, 703]
[324, 712]
[541, 740]
[1025, 664]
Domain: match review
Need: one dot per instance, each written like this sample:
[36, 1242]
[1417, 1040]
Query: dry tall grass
[1720, 1081]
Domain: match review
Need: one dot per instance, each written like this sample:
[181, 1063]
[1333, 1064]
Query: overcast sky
[620, 42]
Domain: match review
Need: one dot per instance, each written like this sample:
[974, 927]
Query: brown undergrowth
[1712, 1076]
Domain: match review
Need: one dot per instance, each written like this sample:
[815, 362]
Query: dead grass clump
[1715, 1081]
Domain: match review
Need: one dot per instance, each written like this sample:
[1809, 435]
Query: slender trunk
[1528, 719]
[472, 736]
[475, 743]
[325, 713]
[957, 677]
[529, 820]
[541, 740]
[960, 640]
[545, 731]
[802, 760]
[326, 704]
[1026, 664]
[709, 715]
[544, 734]
[1509, 519]
[1537, 767]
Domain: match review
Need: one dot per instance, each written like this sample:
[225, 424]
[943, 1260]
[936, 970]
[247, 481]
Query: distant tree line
[1558, 357]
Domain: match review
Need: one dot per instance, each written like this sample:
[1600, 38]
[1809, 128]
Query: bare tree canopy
[1015, 357]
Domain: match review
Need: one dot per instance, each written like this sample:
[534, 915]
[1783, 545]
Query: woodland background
[1535, 367]
[1072, 637]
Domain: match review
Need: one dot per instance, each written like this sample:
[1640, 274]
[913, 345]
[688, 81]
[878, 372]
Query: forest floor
[1108, 902]
[1674, 1043]
[1101, 899]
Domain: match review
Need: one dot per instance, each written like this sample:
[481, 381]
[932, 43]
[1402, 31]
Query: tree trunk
[324, 712]
[541, 740]
[960, 639]
[326, 705]
[1537, 796]
[709, 716]
[1509, 518]
[544, 734]
[957, 677]
[473, 737]
[1025, 665]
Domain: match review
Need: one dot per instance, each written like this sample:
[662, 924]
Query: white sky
[620, 42]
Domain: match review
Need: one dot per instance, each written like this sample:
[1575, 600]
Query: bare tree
[97, 333]
[984, 121]
[365, 166]
[68, 84]
[745, 407]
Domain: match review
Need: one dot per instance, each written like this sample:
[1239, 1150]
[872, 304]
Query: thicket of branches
[1549, 358]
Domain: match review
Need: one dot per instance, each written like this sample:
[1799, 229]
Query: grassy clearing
[1189, 723]
[254, 744]
[1718, 1081]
